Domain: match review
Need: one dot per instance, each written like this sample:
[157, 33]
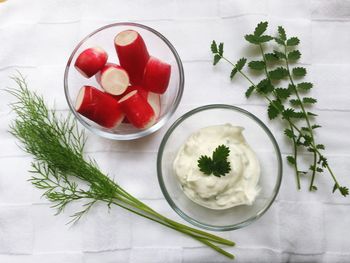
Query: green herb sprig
[288, 103]
[217, 164]
[61, 171]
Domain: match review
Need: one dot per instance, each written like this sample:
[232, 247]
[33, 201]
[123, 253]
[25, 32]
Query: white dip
[238, 187]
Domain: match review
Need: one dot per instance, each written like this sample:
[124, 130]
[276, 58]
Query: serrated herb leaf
[271, 57]
[308, 100]
[256, 65]
[274, 109]
[289, 133]
[264, 38]
[279, 54]
[313, 188]
[304, 86]
[240, 63]
[320, 146]
[291, 159]
[311, 114]
[279, 41]
[295, 102]
[249, 91]
[221, 49]
[294, 55]
[316, 126]
[217, 58]
[265, 86]
[344, 190]
[213, 47]
[260, 28]
[319, 169]
[282, 93]
[233, 73]
[217, 164]
[278, 73]
[252, 39]
[282, 33]
[299, 71]
[293, 41]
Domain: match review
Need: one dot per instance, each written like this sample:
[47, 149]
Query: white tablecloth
[36, 38]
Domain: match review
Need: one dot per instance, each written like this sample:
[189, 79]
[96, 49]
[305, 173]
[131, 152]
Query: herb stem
[306, 119]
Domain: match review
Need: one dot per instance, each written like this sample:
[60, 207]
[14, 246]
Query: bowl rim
[183, 214]
[141, 133]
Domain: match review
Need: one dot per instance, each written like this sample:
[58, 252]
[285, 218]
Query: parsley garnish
[217, 164]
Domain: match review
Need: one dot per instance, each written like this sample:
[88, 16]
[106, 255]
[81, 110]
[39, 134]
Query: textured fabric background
[36, 38]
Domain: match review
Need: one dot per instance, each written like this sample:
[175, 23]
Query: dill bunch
[61, 171]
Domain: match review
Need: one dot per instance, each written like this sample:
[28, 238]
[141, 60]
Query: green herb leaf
[291, 159]
[282, 93]
[304, 86]
[264, 38]
[313, 188]
[279, 54]
[278, 73]
[299, 71]
[295, 102]
[279, 41]
[256, 65]
[218, 164]
[316, 126]
[344, 190]
[320, 146]
[260, 29]
[282, 33]
[221, 49]
[271, 57]
[233, 73]
[252, 39]
[308, 100]
[265, 86]
[217, 58]
[294, 55]
[213, 47]
[274, 109]
[311, 114]
[249, 91]
[289, 133]
[293, 41]
[241, 63]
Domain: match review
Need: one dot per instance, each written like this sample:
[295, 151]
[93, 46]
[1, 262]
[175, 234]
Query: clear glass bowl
[258, 136]
[157, 45]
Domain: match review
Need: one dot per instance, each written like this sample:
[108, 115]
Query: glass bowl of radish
[124, 81]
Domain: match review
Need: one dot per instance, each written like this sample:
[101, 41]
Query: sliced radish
[91, 61]
[137, 110]
[132, 53]
[113, 79]
[154, 100]
[142, 92]
[156, 76]
[99, 107]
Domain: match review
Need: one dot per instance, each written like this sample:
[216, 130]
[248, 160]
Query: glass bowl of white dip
[195, 133]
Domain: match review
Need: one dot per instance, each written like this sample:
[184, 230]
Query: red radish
[99, 107]
[113, 79]
[156, 76]
[91, 61]
[153, 99]
[137, 110]
[132, 53]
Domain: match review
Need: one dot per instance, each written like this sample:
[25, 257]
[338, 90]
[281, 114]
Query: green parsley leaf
[299, 71]
[260, 28]
[293, 41]
[278, 73]
[218, 164]
[256, 65]
[294, 55]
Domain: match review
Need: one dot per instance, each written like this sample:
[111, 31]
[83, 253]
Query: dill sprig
[61, 171]
[288, 103]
